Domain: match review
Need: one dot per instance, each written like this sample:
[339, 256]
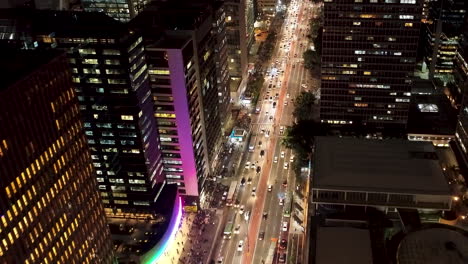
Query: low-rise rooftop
[392, 166]
[343, 245]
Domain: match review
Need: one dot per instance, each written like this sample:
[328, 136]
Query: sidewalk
[199, 237]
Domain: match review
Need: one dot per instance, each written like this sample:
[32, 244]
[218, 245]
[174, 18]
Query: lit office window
[126, 117]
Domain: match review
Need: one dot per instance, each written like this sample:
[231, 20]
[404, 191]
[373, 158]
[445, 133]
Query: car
[247, 164]
[286, 166]
[274, 104]
[281, 130]
[262, 152]
[285, 102]
[261, 236]
[252, 166]
[220, 260]
[267, 134]
[285, 183]
[283, 244]
[271, 98]
[258, 169]
[281, 201]
[262, 131]
[270, 188]
[241, 209]
[282, 154]
[224, 196]
[243, 181]
[271, 118]
[265, 215]
[269, 86]
[287, 95]
[240, 246]
[254, 190]
[249, 180]
[247, 216]
[282, 258]
[285, 226]
[291, 159]
[237, 229]
[276, 159]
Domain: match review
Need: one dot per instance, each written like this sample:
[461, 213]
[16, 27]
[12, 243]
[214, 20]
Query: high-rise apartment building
[267, 7]
[236, 35]
[110, 78]
[188, 78]
[443, 29]
[368, 59]
[122, 10]
[50, 207]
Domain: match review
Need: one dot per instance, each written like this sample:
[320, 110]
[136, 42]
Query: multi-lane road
[285, 78]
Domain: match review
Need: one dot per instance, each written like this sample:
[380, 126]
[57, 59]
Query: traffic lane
[271, 207]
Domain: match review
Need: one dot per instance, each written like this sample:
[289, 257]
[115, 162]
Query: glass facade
[51, 211]
[368, 59]
[110, 77]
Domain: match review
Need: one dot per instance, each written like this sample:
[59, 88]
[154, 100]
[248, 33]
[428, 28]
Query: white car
[241, 210]
[276, 159]
[240, 246]
[270, 187]
[282, 154]
[285, 227]
[286, 166]
[247, 165]
[291, 159]
[252, 166]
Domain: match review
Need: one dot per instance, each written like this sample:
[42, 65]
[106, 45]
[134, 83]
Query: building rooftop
[431, 114]
[16, 64]
[173, 15]
[170, 42]
[60, 23]
[392, 166]
[343, 245]
[434, 246]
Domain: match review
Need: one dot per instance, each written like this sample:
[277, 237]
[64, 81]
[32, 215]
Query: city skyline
[233, 132]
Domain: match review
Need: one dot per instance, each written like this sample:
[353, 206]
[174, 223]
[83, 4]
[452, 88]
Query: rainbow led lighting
[156, 252]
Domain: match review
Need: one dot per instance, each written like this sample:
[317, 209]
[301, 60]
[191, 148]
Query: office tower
[461, 134]
[236, 32]
[368, 59]
[183, 54]
[221, 59]
[443, 29]
[122, 10]
[110, 78]
[267, 6]
[51, 211]
[250, 16]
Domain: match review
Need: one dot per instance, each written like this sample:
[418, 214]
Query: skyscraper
[443, 29]
[236, 32]
[368, 59]
[122, 10]
[110, 77]
[51, 211]
[188, 77]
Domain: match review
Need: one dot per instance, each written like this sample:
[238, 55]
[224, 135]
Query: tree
[301, 137]
[304, 106]
[311, 59]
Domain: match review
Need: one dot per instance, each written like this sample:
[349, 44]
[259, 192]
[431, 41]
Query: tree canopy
[304, 106]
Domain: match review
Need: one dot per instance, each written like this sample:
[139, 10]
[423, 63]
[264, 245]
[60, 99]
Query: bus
[229, 224]
[271, 253]
[287, 205]
[231, 193]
